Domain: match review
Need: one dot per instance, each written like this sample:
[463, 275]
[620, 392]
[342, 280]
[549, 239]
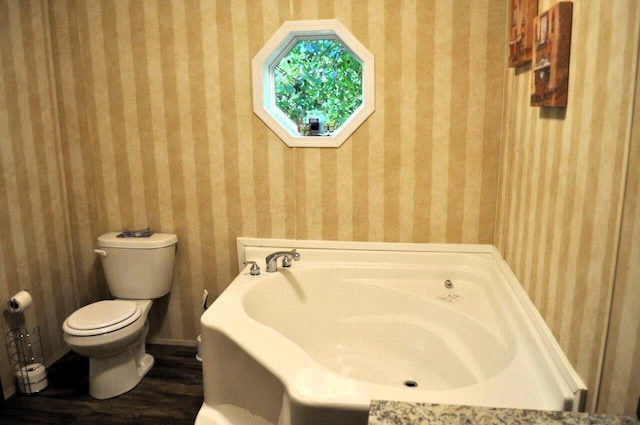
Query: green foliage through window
[319, 75]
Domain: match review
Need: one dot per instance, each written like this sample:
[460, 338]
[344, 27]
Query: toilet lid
[102, 317]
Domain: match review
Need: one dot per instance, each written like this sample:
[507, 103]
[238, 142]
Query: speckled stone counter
[401, 413]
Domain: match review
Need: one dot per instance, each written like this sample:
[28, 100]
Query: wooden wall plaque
[521, 15]
[551, 53]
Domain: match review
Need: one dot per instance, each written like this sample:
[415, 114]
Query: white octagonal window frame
[263, 64]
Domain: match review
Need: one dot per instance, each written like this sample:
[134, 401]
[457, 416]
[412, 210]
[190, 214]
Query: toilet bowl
[112, 333]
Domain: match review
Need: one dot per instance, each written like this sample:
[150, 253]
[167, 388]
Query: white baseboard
[176, 342]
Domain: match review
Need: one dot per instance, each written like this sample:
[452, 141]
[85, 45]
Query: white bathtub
[351, 322]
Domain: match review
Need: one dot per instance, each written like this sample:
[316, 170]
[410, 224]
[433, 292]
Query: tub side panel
[231, 377]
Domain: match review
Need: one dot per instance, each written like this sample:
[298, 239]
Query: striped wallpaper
[620, 384]
[562, 178]
[35, 247]
[131, 114]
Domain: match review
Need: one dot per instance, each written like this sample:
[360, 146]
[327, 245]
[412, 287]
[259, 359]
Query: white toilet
[113, 333]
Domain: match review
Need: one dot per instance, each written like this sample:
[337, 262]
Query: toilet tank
[138, 268]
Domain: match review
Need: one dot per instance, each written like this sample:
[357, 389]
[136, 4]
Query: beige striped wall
[562, 182]
[126, 114]
[35, 247]
[620, 384]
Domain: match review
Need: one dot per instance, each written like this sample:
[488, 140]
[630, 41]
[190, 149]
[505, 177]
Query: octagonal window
[313, 83]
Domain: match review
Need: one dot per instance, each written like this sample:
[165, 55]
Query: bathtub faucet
[272, 259]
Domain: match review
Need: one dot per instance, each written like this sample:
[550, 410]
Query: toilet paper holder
[25, 354]
[27, 359]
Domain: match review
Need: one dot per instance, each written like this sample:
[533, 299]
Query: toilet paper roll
[20, 302]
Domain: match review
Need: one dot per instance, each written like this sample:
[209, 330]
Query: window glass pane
[318, 85]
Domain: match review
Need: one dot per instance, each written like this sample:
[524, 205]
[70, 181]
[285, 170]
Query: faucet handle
[255, 269]
[286, 260]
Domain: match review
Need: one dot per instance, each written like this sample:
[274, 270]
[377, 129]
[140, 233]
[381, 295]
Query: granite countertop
[403, 413]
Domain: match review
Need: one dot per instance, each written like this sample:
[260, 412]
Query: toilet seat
[102, 317]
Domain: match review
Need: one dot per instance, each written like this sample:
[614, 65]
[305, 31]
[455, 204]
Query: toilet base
[111, 376]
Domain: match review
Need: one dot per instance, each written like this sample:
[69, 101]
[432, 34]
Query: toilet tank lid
[157, 240]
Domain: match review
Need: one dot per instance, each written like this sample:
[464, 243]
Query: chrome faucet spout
[272, 259]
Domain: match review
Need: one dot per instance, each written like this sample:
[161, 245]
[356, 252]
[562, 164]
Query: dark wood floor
[171, 393]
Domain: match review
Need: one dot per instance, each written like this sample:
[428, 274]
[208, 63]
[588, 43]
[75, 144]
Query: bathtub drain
[410, 384]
